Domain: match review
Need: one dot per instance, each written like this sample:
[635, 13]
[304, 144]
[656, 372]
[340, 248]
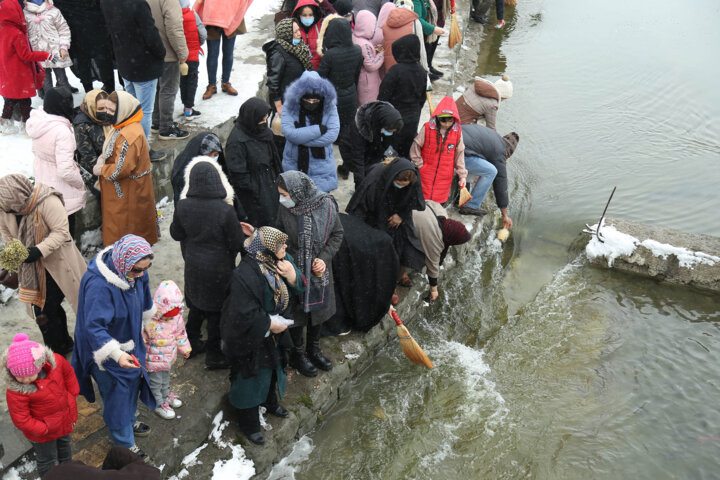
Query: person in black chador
[372, 133]
[253, 163]
[385, 201]
[261, 289]
[404, 86]
[203, 144]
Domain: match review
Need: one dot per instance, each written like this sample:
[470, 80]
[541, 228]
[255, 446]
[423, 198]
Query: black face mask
[104, 117]
[310, 107]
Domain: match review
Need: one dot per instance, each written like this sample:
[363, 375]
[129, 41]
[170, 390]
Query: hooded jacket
[165, 336]
[209, 233]
[437, 156]
[54, 149]
[341, 64]
[322, 171]
[191, 151]
[109, 322]
[45, 409]
[480, 101]
[310, 34]
[369, 145]
[404, 87]
[373, 6]
[401, 22]
[486, 143]
[48, 32]
[283, 68]
[373, 61]
[17, 71]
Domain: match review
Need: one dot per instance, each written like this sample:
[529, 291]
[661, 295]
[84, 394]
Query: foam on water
[288, 466]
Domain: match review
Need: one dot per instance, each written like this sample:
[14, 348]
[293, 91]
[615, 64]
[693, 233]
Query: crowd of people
[270, 262]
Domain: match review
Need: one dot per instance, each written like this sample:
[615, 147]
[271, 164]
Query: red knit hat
[25, 358]
[454, 233]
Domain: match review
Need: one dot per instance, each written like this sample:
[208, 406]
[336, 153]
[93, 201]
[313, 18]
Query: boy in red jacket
[41, 392]
[195, 36]
[18, 75]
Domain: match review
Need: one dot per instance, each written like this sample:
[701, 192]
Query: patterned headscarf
[511, 140]
[210, 144]
[284, 38]
[126, 252]
[263, 245]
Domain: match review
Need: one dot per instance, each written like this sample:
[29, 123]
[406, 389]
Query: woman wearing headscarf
[385, 201]
[260, 293]
[309, 15]
[310, 124]
[253, 163]
[204, 144]
[54, 149]
[126, 187]
[210, 238]
[114, 300]
[35, 215]
[90, 127]
[310, 219]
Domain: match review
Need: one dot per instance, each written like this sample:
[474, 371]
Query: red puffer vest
[438, 154]
[311, 36]
[191, 35]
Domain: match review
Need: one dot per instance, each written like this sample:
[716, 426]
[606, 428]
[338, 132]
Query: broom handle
[395, 317]
[430, 104]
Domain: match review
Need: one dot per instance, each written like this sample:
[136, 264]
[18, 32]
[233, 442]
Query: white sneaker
[165, 411]
[7, 127]
[23, 131]
[174, 401]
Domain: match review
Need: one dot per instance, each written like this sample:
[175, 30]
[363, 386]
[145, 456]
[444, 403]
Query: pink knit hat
[25, 358]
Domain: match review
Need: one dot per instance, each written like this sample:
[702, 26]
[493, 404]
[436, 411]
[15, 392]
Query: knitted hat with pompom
[25, 358]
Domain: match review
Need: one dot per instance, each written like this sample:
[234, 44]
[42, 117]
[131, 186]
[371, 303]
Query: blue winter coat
[110, 316]
[322, 171]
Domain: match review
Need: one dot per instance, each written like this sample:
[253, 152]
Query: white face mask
[286, 202]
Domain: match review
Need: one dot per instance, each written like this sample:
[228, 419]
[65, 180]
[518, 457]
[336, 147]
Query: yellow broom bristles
[464, 196]
[455, 35]
[411, 349]
[511, 3]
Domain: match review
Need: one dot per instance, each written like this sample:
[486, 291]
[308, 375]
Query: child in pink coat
[373, 58]
[165, 336]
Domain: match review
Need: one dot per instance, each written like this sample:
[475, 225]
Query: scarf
[126, 252]
[127, 111]
[210, 144]
[315, 119]
[262, 246]
[19, 196]
[317, 213]
[284, 36]
[453, 233]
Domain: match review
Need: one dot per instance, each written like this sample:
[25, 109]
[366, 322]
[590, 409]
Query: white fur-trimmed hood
[229, 192]
[111, 277]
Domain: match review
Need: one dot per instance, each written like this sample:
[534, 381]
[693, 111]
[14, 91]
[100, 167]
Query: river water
[545, 367]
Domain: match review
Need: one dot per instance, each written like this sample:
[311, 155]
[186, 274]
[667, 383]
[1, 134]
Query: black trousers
[249, 418]
[98, 67]
[430, 50]
[194, 327]
[188, 85]
[52, 319]
[24, 104]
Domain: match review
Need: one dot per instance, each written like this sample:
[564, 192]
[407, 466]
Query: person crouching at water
[480, 101]
[315, 233]
[260, 291]
[437, 233]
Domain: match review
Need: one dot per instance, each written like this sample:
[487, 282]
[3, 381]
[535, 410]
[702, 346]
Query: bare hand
[318, 266]
[380, 49]
[394, 221]
[278, 107]
[126, 361]
[247, 229]
[433, 295]
[186, 354]
[438, 31]
[390, 310]
[287, 271]
[63, 53]
[276, 327]
[507, 222]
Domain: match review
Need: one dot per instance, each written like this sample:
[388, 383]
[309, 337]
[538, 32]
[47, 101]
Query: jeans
[145, 93]
[47, 454]
[486, 173]
[167, 89]
[160, 386]
[124, 436]
[213, 52]
[188, 85]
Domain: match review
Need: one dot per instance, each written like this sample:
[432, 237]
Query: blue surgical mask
[386, 133]
[398, 186]
[296, 41]
[307, 21]
[286, 202]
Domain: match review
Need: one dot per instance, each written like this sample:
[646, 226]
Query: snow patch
[162, 203]
[21, 471]
[686, 258]
[91, 241]
[285, 470]
[191, 458]
[238, 467]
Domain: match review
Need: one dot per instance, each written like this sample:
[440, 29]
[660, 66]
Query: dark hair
[281, 183]
[406, 175]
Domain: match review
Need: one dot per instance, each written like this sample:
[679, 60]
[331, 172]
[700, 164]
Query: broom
[409, 346]
[455, 35]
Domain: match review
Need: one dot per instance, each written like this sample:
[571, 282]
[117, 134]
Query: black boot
[298, 360]
[313, 349]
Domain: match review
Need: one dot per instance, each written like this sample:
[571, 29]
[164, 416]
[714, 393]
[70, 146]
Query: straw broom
[409, 346]
[455, 35]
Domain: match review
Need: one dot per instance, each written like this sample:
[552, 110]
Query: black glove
[34, 255]
[297, 124]
[323, 129]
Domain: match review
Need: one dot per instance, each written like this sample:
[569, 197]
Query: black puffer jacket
[283, 68]
[341, 64]
[404, 87]
[139, 50]
[209, 233]
[87, 27]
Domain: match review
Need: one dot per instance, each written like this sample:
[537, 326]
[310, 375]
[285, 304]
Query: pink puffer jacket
[54, 149]
[165, 336]
[368, 84]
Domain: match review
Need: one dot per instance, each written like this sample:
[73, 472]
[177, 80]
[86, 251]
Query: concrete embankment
[663, 254]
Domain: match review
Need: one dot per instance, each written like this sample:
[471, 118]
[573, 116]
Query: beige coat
[430, 235]
[169, 22]
[61, 258]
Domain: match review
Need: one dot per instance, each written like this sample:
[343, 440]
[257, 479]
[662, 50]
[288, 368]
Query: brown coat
[61, 258]
[126, 187]
[399, 23]
[479, 104]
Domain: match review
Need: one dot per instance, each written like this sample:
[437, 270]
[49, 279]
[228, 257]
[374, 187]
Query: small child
[41, 391]
[48, 31]
[195, 35]
[18, 74]
[164, 336]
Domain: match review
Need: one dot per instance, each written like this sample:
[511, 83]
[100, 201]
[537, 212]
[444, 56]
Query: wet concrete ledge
[698, 265]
